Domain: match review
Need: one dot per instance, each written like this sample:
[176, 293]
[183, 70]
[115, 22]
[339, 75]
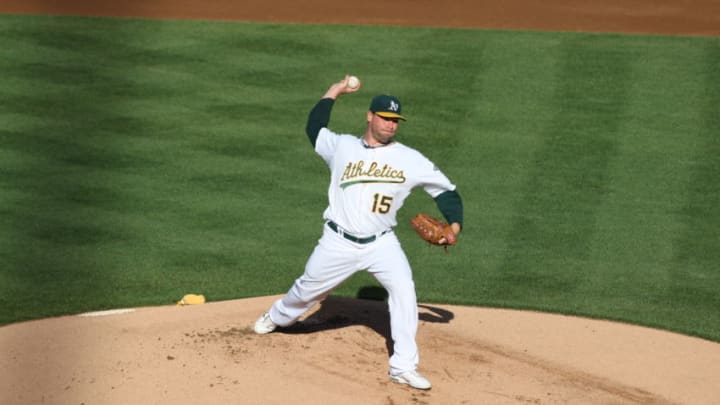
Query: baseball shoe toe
[264, 324]
[413, 379]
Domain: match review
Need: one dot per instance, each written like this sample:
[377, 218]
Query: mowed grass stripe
[495, 146]
[695, 269]
[549, 241]
[699, 244]
[83, 234]
[633, 246]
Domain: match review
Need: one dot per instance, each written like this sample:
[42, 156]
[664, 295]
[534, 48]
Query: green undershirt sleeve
[450, 205]
[318, 119]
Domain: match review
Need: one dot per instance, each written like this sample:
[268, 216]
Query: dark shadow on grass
[370, 309]
[70, 149]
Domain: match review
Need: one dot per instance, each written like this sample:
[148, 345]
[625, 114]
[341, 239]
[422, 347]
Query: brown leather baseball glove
[433, 230]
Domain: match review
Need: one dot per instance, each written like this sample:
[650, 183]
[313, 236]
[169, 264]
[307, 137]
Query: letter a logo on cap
[387, 106]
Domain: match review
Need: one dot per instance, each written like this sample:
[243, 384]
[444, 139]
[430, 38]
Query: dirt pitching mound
[339, 353]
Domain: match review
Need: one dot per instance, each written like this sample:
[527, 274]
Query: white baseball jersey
[369, 184]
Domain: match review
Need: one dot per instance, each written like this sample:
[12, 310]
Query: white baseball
[353, 82]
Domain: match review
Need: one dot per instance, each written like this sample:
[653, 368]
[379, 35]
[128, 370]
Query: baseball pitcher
[370, 178]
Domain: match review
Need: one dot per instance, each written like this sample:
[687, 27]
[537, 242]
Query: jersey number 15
[381, 203]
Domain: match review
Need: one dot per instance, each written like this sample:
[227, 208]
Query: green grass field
[142, 160]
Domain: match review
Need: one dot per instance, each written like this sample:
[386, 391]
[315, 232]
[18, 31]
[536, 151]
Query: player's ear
[369, 116]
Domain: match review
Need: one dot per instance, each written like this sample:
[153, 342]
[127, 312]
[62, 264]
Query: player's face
[381, 129]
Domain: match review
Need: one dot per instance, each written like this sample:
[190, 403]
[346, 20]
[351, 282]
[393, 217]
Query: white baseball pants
[333, 261]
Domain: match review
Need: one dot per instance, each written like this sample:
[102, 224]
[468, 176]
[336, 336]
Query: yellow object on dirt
[192, 299]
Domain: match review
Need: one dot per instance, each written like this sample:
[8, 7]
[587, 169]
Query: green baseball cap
[386, 106]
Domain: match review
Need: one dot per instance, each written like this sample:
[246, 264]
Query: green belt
[332, 225]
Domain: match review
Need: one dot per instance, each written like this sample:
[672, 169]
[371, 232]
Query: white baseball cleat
[264, 324]
[411, 378]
